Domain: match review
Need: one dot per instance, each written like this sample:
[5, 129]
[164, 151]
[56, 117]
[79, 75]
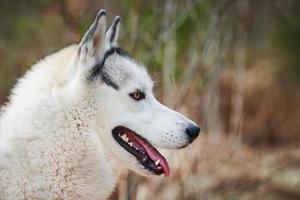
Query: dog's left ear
[92, 46]
[113, 32]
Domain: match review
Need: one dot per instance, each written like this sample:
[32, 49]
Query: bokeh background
[233, 66]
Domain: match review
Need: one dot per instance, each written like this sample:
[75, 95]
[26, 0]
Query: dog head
[130, 121]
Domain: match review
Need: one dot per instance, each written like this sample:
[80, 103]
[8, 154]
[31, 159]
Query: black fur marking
[97, 69]
[114, 30]
[106, 79]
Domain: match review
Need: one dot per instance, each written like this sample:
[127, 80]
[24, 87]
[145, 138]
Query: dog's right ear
[92, 46]
[113, 32]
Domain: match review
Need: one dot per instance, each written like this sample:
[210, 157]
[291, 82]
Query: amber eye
[137, 95]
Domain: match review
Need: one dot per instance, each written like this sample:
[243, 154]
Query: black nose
[192, 131]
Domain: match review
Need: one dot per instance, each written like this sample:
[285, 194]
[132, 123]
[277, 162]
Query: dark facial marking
[97, 69]
[106, 79]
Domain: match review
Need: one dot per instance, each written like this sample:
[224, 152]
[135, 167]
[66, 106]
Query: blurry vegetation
[286, 37]
[232, 65]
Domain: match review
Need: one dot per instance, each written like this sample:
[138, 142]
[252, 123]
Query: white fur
[55, 132]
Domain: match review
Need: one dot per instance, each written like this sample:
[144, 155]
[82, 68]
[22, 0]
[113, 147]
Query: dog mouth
[146, 154]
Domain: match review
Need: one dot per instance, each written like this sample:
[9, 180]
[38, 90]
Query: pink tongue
[155, 155]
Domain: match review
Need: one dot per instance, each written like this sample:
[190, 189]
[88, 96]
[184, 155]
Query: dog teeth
[124, 137]
[157, 162]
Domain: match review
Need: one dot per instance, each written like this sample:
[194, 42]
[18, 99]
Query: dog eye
[137, 95]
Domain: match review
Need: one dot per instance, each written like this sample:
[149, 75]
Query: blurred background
[233, 66]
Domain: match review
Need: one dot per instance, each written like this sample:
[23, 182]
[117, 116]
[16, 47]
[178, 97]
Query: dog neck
[83, 113]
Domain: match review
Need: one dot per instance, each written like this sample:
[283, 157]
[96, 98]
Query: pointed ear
[113, 32]
[92, 45]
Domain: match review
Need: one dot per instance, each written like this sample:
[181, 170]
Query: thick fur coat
[48, 149]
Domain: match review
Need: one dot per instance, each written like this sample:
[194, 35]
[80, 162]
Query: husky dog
[80, 117]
